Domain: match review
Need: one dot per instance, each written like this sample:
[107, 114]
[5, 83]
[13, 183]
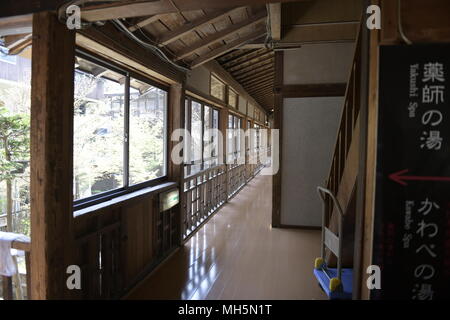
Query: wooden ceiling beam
[176, 34]
[320, 33]
[18, 44]
[275, 21]
[128, 9]
[312, 90]
[221, 35]
[16, 25]
[226, 48]
[10, 40]
[142, 23]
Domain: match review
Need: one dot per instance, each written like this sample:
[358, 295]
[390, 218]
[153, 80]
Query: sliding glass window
[147, 132]
[119, 131]
[201, 121]
[234, 137]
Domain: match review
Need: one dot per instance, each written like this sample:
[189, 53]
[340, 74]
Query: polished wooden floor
[237, 255]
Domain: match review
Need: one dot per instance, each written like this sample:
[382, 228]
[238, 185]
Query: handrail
[22, 245]
[322, 190]
[202, 172]
[350, 110]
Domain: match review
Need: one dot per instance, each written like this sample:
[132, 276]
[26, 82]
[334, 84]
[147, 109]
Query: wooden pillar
[223, 125]
[278, 124]
[175, 121]
[51, 155]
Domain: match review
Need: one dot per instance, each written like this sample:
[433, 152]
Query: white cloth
[7, 265]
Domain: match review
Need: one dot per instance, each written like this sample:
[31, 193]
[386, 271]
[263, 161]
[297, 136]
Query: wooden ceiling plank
[264, 72]
[226, 48]
[221, 35]
[259, 87]
[255, 67]
[245, 58]
[255, 71]
[127, 9]
[239, 54]
[252, 62]
[144, 22]
[193, 25]
[258, 81]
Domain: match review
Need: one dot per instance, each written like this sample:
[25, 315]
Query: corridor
[238, 255]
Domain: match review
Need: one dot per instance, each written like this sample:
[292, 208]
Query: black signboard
[412, 205]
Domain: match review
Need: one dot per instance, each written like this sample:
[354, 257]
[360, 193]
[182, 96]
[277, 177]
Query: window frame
[224, 90]
[237, 124]
[126, 188]
[187, 172]
[236, 99]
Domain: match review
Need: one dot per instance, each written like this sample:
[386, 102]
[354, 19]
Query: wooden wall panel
[138, 229]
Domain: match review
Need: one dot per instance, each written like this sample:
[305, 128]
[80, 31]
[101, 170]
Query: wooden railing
[98, 255]
[236, 178]
[346, 130]
[9, 292]
[207, 190]
[203, 193]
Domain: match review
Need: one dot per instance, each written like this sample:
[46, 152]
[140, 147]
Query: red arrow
[401, 179]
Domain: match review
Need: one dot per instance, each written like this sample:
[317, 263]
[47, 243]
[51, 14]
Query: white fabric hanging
[7, 265]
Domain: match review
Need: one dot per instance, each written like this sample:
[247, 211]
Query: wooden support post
[175, 171]
[223, 125]
[175, 121]
[361, 184]
[51, 155]
[278, 124]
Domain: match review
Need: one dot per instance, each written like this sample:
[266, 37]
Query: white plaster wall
[309, 135]
[318, 63]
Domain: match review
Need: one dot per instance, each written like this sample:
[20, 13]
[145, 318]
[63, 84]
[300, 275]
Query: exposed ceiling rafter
[221, 35]
[226, 48]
